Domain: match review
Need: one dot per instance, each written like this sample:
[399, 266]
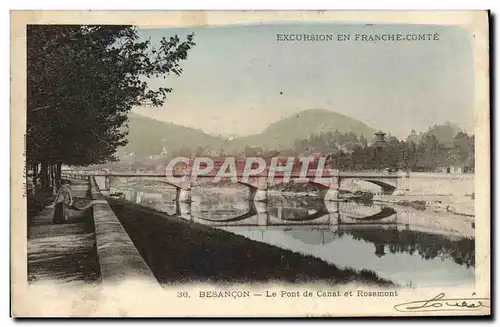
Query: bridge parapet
[327, 178]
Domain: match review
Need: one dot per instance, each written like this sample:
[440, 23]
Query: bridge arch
[250, 186]
[252, 211]
[229, 220]
[385, 212]
[321, 186]
[386, 187]
[316, 215]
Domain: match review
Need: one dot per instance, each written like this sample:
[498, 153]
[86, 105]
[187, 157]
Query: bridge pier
[333, 191]
[332, 195]
[102, 181]
[183, 195]
[184, 210]
[260, 195]
[402, 183]
[107, 183]
[183, 192]
[262, 214]
[261, 192]
[333, 209]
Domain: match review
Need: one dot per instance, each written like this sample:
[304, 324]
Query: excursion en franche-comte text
[357, 37]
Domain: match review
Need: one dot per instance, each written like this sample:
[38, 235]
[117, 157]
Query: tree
[408, 154]
[199, 151]
[470, 163]
[250, 151]
[462, 146]
[413, 137]
[82, 82]
[431, 153]
[363, 141]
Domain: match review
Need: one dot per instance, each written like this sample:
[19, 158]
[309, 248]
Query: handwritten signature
[440, 303]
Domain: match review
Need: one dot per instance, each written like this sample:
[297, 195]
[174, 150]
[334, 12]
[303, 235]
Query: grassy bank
[179, 251]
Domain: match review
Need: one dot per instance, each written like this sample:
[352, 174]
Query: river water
[416, 248]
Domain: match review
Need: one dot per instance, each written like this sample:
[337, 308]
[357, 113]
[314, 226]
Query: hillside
[148, 137]
[283, 133]
[444, 133]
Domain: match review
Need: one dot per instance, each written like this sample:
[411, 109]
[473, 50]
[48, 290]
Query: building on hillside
[457, 169]
[451, 169]
[455, 166]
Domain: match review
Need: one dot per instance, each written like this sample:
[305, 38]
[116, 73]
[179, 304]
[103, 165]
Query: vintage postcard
[250, 164]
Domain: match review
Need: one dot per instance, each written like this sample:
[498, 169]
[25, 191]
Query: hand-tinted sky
[239, 79]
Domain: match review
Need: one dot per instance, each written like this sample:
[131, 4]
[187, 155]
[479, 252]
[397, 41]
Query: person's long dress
[62, 204]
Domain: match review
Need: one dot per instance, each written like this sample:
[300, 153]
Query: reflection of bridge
[328, 179]
[335, 215]
[259, 214]
[279, 211]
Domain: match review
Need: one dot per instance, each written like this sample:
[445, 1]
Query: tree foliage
[423, 153]
[82, 82]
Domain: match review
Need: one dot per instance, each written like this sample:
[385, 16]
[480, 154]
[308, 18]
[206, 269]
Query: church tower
[379, 140]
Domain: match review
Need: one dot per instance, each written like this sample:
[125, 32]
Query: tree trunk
[53, 179]
[35, 170]
[44, 174]
[52, 175]
[58, 174]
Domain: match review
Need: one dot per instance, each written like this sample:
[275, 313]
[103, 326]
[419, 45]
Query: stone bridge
[329, 180]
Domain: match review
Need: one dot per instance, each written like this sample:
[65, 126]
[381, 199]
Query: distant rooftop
[379, 140]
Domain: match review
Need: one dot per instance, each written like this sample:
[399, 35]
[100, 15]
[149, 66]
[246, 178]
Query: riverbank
[460, 206]
[179, 251]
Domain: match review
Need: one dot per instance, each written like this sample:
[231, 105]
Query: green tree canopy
[82, 82]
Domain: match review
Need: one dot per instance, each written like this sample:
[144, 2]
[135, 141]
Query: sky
[239, 79]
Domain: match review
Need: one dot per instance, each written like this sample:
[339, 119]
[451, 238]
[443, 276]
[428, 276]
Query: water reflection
[407, 246]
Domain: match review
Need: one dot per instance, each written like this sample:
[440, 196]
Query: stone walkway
[66, 252]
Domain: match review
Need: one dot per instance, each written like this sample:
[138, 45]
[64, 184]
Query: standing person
[63, 202]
